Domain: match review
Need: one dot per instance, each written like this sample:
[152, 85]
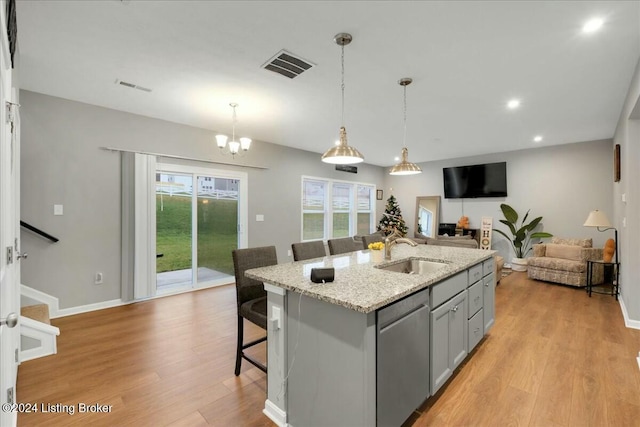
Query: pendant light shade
[342, 153]
[405, 167]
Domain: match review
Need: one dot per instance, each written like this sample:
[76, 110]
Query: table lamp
[601, 222]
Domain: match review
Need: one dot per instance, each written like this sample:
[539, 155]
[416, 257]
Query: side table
[614, 276]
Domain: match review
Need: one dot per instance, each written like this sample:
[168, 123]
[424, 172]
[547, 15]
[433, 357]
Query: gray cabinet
[403, 359]
[448, 338]
[489, 305]
[475, 326]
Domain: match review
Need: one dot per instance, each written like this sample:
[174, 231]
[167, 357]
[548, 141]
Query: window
[334, 209]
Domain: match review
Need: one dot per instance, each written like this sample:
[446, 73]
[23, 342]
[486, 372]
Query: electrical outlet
[289, 252]
[99, 278]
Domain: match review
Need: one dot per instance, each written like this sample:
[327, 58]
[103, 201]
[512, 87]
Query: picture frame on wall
[616, 163]
[378, 194]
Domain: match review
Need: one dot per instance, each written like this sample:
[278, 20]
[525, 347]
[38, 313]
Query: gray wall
[62, 164]
[627, 214]
[560, 183]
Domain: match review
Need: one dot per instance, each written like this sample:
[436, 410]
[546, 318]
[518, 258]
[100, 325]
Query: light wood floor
[555, 357]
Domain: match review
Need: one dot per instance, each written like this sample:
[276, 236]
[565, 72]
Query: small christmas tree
[392, 219]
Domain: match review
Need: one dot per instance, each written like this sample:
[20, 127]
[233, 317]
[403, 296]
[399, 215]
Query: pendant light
[233, 147]
[342, 153]
[405, 167]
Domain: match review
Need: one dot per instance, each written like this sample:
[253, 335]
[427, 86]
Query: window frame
[328, 210]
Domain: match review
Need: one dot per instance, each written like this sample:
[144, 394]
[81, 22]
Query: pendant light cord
[233, 132]
[404, 136]
[342, 87]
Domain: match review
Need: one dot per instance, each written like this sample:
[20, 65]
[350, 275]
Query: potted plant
[521, 235]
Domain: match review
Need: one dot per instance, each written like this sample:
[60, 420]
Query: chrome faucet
[392, 240]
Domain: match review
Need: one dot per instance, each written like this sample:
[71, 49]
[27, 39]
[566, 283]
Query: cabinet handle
[454, 309]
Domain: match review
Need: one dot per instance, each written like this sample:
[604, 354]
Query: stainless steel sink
[414, 266]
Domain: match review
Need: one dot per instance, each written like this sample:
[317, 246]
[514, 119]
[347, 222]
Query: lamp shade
[597, 219]
[405, 167]
[342, 154]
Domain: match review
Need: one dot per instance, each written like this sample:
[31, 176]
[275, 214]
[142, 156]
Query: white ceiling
[467, 59]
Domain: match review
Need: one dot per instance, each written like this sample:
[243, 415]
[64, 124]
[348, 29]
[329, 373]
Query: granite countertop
[358, 284]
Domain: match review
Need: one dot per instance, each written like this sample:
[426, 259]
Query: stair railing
[39, 232]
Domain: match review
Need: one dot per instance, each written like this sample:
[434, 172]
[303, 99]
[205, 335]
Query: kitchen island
[369, 347]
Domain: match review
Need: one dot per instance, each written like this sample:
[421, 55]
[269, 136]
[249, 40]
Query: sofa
[454, 241]
[564, 261]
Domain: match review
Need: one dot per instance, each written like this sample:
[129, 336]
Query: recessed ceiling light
[396, 159]
[537, 138]
[592, 25]
[513, 104]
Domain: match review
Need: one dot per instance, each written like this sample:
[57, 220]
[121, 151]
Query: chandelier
[233, 147]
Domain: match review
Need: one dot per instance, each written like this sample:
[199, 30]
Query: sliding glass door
[174, 240]
[217, 226]
[200, 218]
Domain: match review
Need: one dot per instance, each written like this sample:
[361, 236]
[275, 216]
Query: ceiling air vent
[287, 64]
[132, 86]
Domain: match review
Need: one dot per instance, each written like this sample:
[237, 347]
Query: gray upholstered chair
[371, 238]
[308, 250]
[251, 297]
[343, 245]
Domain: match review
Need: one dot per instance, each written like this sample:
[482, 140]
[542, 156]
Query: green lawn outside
[217, 233]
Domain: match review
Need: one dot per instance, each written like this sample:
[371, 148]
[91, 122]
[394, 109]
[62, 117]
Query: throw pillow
[570, 252]
[585, 243]
[609, 250]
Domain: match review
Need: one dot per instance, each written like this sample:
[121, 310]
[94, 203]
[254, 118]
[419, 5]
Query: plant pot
[376, 256]
[519, 264]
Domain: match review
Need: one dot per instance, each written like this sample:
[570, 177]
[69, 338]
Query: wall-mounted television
[487, 180]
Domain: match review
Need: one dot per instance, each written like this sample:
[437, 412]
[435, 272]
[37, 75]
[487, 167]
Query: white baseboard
[275, 414]
[629, 323]
[90, 307]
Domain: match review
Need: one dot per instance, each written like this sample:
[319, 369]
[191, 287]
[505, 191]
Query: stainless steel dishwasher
[402, 358]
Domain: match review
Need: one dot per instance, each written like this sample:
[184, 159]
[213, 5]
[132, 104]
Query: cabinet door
[439, 340]
[458, 329]
[489, 306]
[448, 339]
[403, 367]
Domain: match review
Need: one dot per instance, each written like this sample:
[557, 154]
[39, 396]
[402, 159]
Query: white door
[9, 238]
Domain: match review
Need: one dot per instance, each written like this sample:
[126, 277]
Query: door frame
[9, 226]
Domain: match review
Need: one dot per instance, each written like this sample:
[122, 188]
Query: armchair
[564, 261]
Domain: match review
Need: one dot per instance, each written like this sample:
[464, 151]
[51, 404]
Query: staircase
[37, 335]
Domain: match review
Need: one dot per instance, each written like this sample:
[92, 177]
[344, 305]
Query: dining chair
[251, 297]
[308, 250]
[343, 245]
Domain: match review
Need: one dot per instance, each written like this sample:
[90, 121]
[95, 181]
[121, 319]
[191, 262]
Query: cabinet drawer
[475, 273]
[446, 289]
[476, 329]
[398, 309]
[475, 298]
[488, 266]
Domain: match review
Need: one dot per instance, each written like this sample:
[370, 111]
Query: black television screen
[488, 180]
